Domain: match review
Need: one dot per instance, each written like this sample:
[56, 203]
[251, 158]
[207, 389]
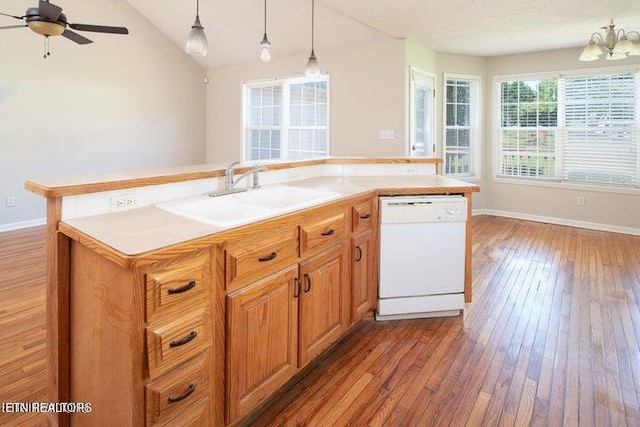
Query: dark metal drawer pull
[358, 253]
[190, 390]
[365, 216]
[184, 340]
[329, 232]
[269, 257]
[296, 290]
[307, 286]
[182, 289]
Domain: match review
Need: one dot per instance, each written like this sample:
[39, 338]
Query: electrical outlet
[121, 203]
[11, 201]
[580, 200]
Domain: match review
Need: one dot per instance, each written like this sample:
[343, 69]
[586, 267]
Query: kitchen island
[157, 318]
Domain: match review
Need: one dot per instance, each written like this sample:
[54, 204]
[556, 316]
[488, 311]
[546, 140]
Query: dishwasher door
[422, 255]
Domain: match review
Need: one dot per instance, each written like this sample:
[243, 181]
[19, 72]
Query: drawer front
[180, 397]
[318, 235]
[170, 343]
[260, 256]
[184, 283]
[361, 216]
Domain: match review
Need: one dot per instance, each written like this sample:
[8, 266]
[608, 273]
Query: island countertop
[142, 230]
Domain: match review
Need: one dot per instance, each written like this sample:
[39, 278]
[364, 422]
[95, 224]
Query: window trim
[476, 137]
[415, 74]
[286, 82]
[554, 182]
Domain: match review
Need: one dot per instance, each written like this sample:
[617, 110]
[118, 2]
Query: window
[286, 119]
[421, 141]
[579, 129]
[461, 125]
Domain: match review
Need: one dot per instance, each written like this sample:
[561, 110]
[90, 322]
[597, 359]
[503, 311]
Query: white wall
[366, 90]
[121, 103]
[621, 210]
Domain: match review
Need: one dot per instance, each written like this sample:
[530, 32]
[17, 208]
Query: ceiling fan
[48, 20]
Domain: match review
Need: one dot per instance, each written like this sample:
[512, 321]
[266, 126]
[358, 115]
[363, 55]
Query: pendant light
[313, 70]
[265, 55]
[197, 40]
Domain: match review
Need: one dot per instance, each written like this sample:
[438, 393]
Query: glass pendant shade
[313, 69]
[265, 54]
[197, 40]
[635, 51]
[591, 53]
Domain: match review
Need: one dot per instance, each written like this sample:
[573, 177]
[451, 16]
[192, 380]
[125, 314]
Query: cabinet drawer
[361, 216]
[260, 256]
[180, 397]
[170, 343]
[182, 284]
[318, 235]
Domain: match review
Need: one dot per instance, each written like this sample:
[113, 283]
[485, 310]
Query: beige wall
[366, 92]
[121, 103]
[600, 207]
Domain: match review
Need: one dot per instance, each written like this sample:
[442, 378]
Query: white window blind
[599, 136]
[581, 129]
[287, 119]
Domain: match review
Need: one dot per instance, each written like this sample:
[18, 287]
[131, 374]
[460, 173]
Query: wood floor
[552, 338]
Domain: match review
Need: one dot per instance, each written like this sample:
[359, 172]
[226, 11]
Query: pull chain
[46, 47]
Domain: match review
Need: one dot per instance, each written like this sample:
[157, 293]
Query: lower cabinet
[323, 303]
[362, 275]
[278, 324]
[262, 339]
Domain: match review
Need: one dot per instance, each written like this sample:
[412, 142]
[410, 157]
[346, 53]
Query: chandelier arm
[597, 38]
[634, 33]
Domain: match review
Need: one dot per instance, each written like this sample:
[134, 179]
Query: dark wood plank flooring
[552, 338]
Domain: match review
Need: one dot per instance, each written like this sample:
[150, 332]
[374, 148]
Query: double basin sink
[243, 207]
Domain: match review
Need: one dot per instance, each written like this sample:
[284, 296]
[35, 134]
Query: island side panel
[57, 307]
[107, 339]
[468, 274]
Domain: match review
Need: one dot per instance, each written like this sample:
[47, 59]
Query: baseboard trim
[22, 224]
[560, 221]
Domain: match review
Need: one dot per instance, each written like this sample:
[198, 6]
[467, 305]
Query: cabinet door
[262, 327]
[324, 308]
[362, 290]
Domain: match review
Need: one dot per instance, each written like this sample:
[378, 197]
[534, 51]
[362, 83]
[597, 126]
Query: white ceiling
[473, 27]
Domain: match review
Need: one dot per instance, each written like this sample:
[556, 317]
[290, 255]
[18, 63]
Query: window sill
[569, 186]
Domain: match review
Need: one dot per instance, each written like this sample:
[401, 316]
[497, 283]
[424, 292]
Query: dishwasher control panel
[409, 209]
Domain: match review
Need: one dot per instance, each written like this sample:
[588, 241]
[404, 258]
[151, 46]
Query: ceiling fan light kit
[48, 20]
[616, 44]
[197, 40]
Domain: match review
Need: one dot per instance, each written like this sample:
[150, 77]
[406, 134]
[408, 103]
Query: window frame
[556, 182]
[285, 122]
[476, 132]
[419, 77]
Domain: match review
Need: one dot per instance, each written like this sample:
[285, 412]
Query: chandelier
[616, 45]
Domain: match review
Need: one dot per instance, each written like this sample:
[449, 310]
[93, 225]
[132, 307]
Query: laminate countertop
[142, 230]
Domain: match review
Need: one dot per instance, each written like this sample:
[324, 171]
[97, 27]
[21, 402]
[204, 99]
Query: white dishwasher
[422, 256]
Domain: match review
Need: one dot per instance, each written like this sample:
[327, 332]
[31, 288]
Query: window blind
[599, 139]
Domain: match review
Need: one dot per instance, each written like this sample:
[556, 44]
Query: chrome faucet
[230, 180]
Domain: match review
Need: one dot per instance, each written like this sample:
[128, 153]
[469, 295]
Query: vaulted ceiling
[471, 27]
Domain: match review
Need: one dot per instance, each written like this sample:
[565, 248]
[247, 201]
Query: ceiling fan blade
[99, 29]
[13, 26]
[50, 12]
[12, 16]
[75, 37]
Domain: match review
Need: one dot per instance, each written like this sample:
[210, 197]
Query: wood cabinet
[262, 329]
[323, 302]
[363, 292]
[363, 257]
